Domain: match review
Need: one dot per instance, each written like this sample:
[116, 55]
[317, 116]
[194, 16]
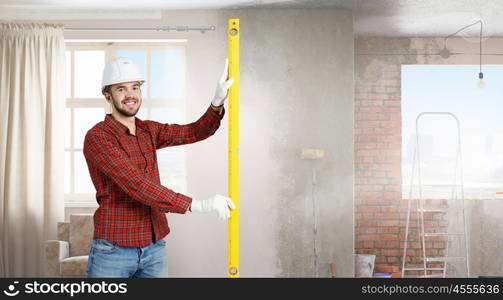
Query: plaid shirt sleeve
[102, 152]
[174, 134]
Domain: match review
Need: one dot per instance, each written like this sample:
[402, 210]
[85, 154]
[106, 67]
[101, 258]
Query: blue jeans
[107, 259]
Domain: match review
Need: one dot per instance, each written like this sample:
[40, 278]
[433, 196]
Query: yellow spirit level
[233, 250]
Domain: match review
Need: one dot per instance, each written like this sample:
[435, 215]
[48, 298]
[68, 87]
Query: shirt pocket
[133, 151]
[151, 157]
[149, 152]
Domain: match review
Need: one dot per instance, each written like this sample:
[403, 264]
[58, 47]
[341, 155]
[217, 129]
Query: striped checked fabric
[123, 167]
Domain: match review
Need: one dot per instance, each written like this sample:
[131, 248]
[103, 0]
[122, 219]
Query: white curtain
[32, 104]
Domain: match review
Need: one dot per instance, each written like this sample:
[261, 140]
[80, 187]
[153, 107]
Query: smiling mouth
[129, 103]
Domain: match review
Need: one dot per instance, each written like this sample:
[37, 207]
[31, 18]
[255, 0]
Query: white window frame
[111, 47]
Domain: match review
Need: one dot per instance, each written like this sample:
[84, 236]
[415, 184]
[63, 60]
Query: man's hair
[106, 89]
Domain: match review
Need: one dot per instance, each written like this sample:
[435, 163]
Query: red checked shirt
[123, 167]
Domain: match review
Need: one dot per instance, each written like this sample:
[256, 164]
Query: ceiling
[371, 17]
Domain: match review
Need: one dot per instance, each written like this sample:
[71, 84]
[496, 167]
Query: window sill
[81, 204]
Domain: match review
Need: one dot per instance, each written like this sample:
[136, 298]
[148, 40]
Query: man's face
[125, 97]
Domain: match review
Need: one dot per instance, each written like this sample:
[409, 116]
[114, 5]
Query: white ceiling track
[201, 29]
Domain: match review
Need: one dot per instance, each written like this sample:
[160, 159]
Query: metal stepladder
[443, 243]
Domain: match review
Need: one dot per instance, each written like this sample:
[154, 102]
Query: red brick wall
[378, 166]
[380, 211]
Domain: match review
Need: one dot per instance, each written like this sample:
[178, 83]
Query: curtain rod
[202, 29]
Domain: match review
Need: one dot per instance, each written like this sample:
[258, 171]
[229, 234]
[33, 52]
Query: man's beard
[125, 112]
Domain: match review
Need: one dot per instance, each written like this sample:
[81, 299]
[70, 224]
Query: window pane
[175, 184]
[83, 183]
[68, 126]
[140, 58]
[167, 115]
[88, 72]
[172, 169]
[67, 171]
[453, 89]
[171, 163]
[68, 74]
[167, 73]
[85, 119]
[142, 113]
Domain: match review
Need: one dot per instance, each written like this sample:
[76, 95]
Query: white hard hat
[121, 69]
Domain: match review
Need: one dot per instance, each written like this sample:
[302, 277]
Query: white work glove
[223, 86]
[217, 203]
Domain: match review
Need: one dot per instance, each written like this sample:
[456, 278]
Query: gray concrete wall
[296, 92]
[486, 242]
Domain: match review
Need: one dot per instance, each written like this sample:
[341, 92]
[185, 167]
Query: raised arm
[174, 134]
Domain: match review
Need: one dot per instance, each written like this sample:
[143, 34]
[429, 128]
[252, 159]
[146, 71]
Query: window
[432, 88]
[163, 65]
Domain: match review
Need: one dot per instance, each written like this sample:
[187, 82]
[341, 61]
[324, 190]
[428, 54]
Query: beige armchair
[67, 256]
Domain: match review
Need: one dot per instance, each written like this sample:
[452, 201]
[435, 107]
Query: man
[130, 223]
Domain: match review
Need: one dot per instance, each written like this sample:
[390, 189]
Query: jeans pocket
[103, 246]
[161, 243]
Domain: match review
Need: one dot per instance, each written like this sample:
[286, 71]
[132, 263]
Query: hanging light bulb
[445, 53]
[481, 83]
